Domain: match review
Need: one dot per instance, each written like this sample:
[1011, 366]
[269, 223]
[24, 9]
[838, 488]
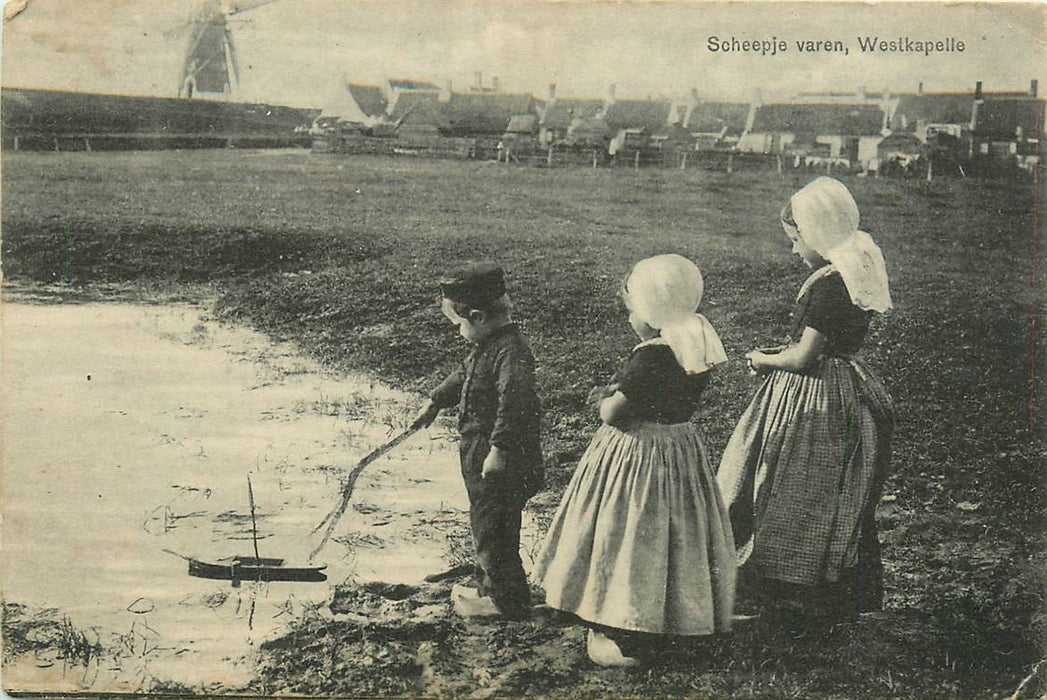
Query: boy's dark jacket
[494, 389]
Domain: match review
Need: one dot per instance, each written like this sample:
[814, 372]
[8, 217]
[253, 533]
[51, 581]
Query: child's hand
[758, 362]
[599, 393]
[426, 416]
[494, 463]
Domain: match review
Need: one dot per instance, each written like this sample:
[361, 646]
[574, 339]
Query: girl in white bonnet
[803, 471]
[641, 542]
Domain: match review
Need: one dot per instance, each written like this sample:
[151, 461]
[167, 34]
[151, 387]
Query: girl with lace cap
[803, 471]
[641, 542]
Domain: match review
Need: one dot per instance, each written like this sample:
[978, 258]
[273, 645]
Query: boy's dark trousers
[495, 507]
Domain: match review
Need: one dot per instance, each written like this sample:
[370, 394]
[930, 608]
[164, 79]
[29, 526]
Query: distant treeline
[42, 119]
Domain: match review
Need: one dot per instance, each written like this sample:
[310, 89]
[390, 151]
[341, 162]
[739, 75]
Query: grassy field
[340, 255]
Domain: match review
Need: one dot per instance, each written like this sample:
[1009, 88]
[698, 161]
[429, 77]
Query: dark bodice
[658, 387]
[826, 307]
[495, 391]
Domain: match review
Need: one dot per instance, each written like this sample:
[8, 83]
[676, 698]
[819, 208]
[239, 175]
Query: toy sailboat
[256, 568]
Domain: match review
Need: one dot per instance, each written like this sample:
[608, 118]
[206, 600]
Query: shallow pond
[129, 434]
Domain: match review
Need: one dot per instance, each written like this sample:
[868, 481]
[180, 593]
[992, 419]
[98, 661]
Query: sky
[300, 52]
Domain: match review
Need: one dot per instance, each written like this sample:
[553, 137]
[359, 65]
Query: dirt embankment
[393, 640]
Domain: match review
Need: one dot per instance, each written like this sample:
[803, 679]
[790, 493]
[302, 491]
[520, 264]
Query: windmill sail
[210, 61]
[206, 65]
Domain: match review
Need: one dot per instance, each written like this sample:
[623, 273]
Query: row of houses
[861, 129]
[868, 129]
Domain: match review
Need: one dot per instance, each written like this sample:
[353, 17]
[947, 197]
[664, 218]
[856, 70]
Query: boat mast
[254, 525]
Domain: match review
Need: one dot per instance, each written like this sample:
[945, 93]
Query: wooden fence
[487, 149]
[529, 155]
[146, 142]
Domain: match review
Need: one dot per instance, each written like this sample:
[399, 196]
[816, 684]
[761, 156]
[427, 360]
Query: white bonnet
[827, 218]
[664, 292]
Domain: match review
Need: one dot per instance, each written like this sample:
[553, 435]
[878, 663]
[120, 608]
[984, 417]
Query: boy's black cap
[474, 285]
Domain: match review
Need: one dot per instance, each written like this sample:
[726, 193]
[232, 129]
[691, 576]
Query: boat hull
[251, 569]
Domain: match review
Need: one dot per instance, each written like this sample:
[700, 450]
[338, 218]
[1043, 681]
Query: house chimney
[496, 84]
[610, 94]
[755, 105]
[978, 100]
[552, 93]
[885, 105]
[919, 89]
[1033, 86]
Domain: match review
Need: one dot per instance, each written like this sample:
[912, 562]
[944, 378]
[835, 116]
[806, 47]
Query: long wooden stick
[332, 518]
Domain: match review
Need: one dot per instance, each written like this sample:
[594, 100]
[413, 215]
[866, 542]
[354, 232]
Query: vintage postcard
[522, 349]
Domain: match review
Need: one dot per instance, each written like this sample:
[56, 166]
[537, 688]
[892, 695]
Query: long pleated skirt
[802, 474]
[642, 540]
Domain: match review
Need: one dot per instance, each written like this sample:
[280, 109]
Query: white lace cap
[827, 219]
[664, 292]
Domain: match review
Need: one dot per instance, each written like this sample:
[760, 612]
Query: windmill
[210, 65]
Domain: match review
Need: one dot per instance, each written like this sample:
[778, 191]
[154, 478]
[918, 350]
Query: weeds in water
[350, 441]
[354, 407]
[215, 600]
[397, 418]
[459, 548]
[356, 540]
[531, 544]
[174, 688]
[41, 632]
[73, 644]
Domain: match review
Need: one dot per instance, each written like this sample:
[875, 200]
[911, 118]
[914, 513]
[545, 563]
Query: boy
[498, 418]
